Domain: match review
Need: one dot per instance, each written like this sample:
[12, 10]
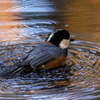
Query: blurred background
[25, 23]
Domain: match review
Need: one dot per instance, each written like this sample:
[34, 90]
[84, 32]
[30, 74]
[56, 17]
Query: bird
[47, 55]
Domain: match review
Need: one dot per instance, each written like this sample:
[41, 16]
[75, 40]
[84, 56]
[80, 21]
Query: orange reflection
[84, 19]
[7, 24]
[95, 2]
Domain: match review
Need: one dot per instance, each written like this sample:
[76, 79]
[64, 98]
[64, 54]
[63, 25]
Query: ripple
[83, 60]
[22, 22]
[86, 58]
[29, 6]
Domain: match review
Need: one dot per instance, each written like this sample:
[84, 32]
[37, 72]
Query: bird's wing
[35, 59]
[34, 62]
[41, 59]
[47, 56]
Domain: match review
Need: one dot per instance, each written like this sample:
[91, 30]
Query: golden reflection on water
[7, 25]
[84, 19]
[94, 2]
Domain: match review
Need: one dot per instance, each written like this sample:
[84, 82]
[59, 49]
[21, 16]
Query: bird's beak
[71, 39]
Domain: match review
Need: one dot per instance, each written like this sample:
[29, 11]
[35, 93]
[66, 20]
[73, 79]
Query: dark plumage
[50, 54]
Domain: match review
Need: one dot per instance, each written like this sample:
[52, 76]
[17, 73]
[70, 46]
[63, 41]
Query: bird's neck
[50, 43]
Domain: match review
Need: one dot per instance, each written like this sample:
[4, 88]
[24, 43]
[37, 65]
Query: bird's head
[60, 38]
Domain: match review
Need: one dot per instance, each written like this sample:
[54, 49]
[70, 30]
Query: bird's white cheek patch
[64, 44]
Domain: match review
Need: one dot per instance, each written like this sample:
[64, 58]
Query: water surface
[25, 23]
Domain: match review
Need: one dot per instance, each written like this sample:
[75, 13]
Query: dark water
[25, 23]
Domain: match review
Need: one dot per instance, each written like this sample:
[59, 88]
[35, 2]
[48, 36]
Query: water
[25, 23]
